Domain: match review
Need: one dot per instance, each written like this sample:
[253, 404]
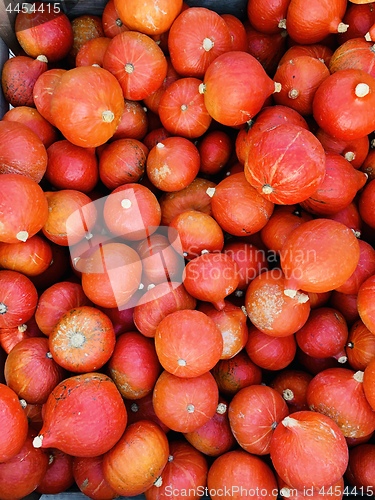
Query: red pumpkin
[71, 167]
[355, 53]
[89, 477]
[82, 340]
[188, 343]
[85, 27]
[92, 52]
[360, 471]
[193, 197]
[232, 323]
[256, 476]
[112, 24]
[21, 474]
[235, 87]
[324, 334]
[71, 215]
[22, 152]
[121, 162]
[343, 104]
[134, 122]
[323, 19]
[237, 206]
[46, 30]
[173, 164]
[137, 459]
[44, 89]
[132, 211]
[269, 352]
[292, 385]
[31, 371]
[13, 311]
[292, 170]
[59, 475]
[270, 310]
[355, 151]
[237, 32]
[31, 257]
[149, 18]
[250, 260]
[184, 404]
[87, 402]
[185, 471]
[360, 347]
[214, 437]
[157, 303]
[266, 48]
[267, 17]
[338, 393]
[254, 412]
[116, 283]
[35, 121]
[143, 409]
[181, 109]
[366, 204]
[14, 422]
[299, 446]
[368, 383]
[309, 256]
[87, 118]
[134, 365]
[137, 62]
[211, 277]
[204, 35]
[19, 74]
[234, 374]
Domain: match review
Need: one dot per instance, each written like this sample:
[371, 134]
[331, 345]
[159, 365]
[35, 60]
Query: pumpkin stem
[202, 88]
[289, 422]
[38, 441]
[267, 189]
[42, 58]
[221, 408]
[126, 203]
[22, 328]
[22, 235]
[293, 94]
[282, 24]
[358, 376]
[181, 362]
[190, 408]
[23, 403]
[277, 87]
[210, 192]
[3, 308]
[207, 44]
[129, 68]
[108, 116]
[243, 309]
[158, 482]
[342, 28]
[285, 492]
[361, 90]
[350, 156]
[118, 22]
[290, 293]
[368, 37]
[288, 394]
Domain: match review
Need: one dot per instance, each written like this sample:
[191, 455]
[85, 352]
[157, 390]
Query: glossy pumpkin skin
[84, 433]
[14, 424]
[15, 256]
[354, 53]
[134, 365]
[310, 262]
[139, 457]
[43, 90]
[59, 475]
[30, 370]
[360, 470]
[87, 105]
[82, 340]
[339, 96]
